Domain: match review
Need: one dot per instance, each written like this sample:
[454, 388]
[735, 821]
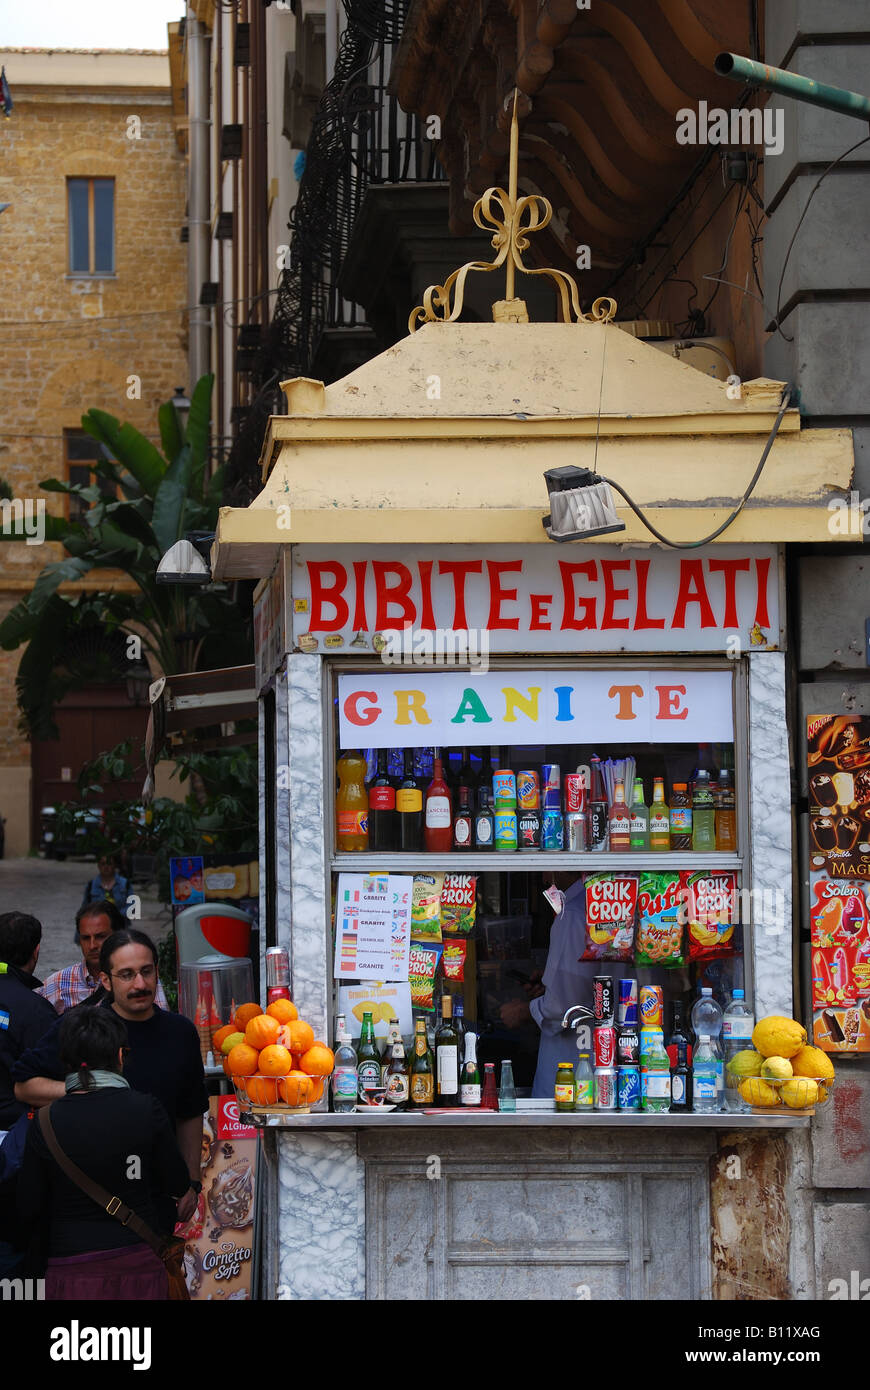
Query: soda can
[647, 1040]
[551, 786]
[628, 1087]
[575, 792]
[628, 1045]
[277, 966]
[602, 1000]
[651, 1006]
[552, 830]
[627, 1002]
[604, 1045]
[604, 1086]
[529, 830]
[575, 830]
[504, 788]
[597, 826]
[528, 791]
[505, 830]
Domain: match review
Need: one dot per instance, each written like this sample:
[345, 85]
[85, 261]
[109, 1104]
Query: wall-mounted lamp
[581, 505]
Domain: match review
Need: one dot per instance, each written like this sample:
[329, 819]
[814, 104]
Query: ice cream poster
[838, 764]
[219, 1238]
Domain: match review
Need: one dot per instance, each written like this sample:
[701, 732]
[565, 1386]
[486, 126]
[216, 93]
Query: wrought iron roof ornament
[513, 219]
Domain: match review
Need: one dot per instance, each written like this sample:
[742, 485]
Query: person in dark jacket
[122, 1139]
[24, 1019]
[108, 884]
[24, 1016]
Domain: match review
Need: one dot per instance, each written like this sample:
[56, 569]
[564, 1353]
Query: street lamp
[182, 409]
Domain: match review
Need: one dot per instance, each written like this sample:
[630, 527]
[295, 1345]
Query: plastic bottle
[655, 1076]
[344, 1076]
[707, 1019]
[351, 803]
[726, 829]
[738, 1022]
[583, 1083]
[705, 1076]
[703, 815]
[681, 817]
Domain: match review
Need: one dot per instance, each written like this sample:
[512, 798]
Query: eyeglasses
[127, 976]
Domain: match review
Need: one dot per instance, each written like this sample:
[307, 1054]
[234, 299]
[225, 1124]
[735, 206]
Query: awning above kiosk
[446, 436]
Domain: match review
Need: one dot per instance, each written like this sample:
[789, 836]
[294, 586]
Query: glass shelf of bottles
[525, 1115]
[529, 862]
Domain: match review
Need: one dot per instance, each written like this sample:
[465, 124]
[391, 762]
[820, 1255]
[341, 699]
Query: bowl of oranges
[273, 1059]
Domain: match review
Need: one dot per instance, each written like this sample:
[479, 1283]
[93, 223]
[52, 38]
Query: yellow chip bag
[426, 907]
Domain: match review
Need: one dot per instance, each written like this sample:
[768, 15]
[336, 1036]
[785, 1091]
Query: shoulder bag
[170, 1249]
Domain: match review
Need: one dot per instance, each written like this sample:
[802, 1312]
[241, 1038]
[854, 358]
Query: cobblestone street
[53, 891]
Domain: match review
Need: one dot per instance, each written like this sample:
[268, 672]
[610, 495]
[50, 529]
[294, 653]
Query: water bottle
[705, 1076]
[738, 1022]
[707, 1019]
[703, 815]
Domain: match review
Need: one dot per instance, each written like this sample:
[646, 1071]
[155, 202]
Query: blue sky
[88, 23]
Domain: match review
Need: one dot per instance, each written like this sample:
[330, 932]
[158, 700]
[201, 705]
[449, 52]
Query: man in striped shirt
[95, 923]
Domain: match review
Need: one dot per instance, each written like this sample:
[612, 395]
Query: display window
[541, 833]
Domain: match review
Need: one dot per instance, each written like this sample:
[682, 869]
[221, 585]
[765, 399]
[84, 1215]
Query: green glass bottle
[368, 1058]
[638, 818]
[422, 1069]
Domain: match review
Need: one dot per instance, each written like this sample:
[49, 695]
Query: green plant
[154, 500]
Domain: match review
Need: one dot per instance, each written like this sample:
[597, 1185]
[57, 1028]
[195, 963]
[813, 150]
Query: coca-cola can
[627, 1002]
[604, 1088]
[575, 830]
[602, 999]
[575, 792]
[604, 1045]
[628, 1045]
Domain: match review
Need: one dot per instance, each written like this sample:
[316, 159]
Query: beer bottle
[382, 808]
[394, 1035]
[368, 1068]
[447, 1056]
[422, 1069]
[409, 808]
[396, 1081]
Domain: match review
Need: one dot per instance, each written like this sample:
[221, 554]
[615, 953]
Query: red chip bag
[712, 912]
[453, 964]
[611, 904]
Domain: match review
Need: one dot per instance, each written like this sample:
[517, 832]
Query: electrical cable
[705, 540]
[813, 192]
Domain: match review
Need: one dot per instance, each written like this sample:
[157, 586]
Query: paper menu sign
[372, 926]
[383, 1001]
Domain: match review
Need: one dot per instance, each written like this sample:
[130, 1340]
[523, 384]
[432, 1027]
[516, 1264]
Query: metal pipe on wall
[199, 253]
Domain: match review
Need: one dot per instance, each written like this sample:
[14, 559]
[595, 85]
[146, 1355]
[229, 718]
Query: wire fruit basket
[787, 1094]
[278, 1095]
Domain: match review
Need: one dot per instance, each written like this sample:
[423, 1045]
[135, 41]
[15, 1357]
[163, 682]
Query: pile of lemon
[779, 1068]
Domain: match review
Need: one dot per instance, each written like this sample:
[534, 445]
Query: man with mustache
[164, 1057]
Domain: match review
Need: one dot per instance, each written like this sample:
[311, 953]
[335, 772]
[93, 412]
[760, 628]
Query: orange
[295, 1089]
[221, 1033]
[284, 1010]
[262, 1090]
[301, 1035]
[275, 1061]
[243, 1015]
[318, 1060]
[262, 1031]
[242, 1061]
[316, 1089]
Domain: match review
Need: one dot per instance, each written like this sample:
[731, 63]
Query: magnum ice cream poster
[838, 763]
[219, 1240]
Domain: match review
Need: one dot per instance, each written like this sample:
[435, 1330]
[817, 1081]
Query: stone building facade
[112, 338]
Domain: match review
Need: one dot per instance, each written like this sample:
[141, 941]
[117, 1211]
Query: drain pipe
[199, 245]
[792, 84]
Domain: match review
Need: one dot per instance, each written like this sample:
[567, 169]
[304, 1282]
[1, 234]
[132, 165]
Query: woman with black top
[121, 1139]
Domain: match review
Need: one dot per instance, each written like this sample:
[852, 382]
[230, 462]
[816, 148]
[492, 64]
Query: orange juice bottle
[352, 803]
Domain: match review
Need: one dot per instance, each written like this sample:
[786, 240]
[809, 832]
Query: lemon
[745, 1063]
[823, 1094]
[812, 1061]
[232, 1041]
[757, 1092]
[776, 1036]
[776, 1068]
[800, 1092]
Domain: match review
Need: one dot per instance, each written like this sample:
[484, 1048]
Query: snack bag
[661, 916]
[422, 968]
[454, 960]
[611, 902]
[712, 904]
[459, 903]
[426, 907]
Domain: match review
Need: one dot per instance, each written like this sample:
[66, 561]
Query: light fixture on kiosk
[581, 505]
